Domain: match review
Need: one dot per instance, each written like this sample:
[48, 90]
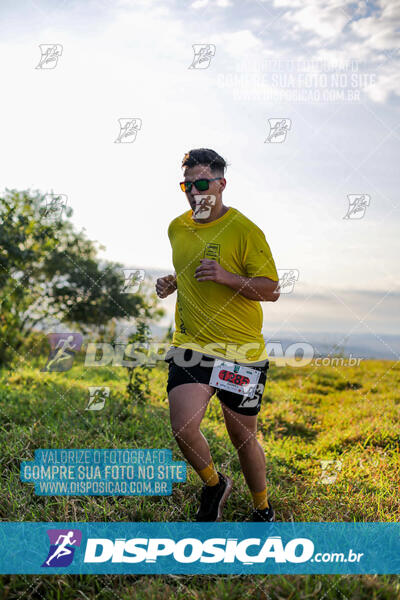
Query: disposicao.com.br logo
[234, 552]
[212, 550]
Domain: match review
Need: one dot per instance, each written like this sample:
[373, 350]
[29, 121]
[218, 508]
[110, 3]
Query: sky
[329, 70]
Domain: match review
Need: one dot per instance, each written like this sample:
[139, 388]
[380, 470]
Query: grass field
[309, 414]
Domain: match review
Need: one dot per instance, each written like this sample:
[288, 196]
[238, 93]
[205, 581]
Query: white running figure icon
[131, 279]
[63, 346]
[62, 550]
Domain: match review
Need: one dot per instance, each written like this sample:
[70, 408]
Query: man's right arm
[167, 285]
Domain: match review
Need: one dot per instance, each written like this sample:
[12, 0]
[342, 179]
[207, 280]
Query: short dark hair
[206, 157]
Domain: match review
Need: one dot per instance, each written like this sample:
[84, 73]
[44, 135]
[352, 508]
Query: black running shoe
[266, 515]
[213, 498]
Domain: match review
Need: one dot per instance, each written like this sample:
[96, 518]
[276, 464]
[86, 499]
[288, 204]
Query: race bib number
[234, 378]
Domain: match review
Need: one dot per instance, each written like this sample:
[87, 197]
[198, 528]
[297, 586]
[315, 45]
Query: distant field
[349, 415]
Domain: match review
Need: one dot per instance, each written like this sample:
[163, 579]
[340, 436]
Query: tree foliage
[50, 271]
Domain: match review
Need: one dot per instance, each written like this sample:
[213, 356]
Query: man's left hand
[211, 270]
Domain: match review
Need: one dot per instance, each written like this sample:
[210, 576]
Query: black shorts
[194, 372]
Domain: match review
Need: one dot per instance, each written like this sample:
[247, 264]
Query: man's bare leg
[242, 431]
[187, 404]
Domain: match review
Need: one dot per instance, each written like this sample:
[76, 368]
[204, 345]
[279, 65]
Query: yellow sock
[209, 475]
[260, 499]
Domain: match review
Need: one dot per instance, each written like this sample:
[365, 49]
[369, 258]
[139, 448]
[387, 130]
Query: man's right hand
[166, 286]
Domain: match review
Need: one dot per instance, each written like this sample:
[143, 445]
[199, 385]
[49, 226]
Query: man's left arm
[261, 289]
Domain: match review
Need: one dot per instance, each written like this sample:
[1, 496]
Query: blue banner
[199, 548]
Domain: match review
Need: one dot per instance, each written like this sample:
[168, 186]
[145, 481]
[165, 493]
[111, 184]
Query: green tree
[138, 386]
[50, 271]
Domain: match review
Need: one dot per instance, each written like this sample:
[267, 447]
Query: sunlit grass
[347, 415]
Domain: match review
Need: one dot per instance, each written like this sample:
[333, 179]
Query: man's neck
[213, 217]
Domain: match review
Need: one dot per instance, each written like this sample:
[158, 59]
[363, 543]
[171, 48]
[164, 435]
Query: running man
[223, 270]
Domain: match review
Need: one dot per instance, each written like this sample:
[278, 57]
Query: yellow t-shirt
[210, 317]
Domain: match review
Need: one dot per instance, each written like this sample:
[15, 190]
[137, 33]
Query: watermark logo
[190, 550]
[278, 81]
[97, 397]
[287, 279]
[101, 354]
[63, 543]
[133, 279]
[128, 129]
[53, 207]
[92, 472]
[203, 54]
[252, 395]
[330, 470]
[278, 129]
[204, 204]
[63, 347]
[338, 361]
[357, 206]
[50, 53]
[368, 462]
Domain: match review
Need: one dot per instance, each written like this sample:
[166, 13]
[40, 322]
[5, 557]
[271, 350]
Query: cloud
[199, 4]
[239, 43]
[323, 18]
[380, 32]
[338, 30]
[203, 3]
